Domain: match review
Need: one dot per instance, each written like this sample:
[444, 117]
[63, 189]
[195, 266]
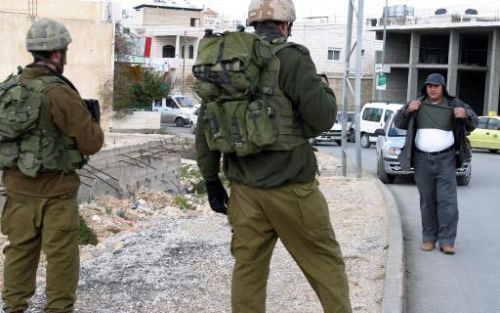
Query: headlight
[393, 151]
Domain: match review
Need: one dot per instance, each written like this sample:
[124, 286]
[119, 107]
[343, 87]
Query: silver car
[390, 141]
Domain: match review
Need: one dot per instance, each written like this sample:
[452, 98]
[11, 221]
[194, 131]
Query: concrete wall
[154, 16]
[89, 64]
[137, 120]
[122, 170]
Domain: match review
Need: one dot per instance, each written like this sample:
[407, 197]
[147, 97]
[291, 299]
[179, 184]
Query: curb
[394, 285]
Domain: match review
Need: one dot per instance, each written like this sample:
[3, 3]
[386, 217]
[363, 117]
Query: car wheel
[365, 141]
[382, 175]
[464, 180]
[179, 122]
[338, 142]
[493, 150]
[314, 142]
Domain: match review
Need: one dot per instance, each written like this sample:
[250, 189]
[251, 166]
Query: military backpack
[245, 111]
[29, 140]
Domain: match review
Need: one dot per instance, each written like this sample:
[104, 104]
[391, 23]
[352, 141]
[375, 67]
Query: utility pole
[347, 86]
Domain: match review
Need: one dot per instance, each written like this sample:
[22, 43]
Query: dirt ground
[159, 252]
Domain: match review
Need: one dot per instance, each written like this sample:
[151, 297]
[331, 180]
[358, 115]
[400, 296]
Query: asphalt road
[469, 281]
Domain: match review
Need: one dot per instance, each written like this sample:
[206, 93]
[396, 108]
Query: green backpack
[245, 111]
[29, 140]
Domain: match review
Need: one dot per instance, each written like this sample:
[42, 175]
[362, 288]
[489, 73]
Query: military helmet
[271, 10]
[47, 35]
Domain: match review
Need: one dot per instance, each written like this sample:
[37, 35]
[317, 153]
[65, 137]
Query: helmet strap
[290, 29]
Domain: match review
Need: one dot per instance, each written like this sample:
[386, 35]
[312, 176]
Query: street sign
[381, 81]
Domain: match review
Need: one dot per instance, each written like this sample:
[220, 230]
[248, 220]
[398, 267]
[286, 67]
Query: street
[467, 281]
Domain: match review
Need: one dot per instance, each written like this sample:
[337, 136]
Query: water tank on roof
[399, 10]
[471, 12]
[440, 11]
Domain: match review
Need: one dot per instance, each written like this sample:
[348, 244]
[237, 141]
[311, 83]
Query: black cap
[435, 79]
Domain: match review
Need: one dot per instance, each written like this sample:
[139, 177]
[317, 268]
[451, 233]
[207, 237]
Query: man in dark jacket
[274, 194]
[436, 144]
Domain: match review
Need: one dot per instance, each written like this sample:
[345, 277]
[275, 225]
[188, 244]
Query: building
[326, 44]
[90, 60]
[463, 46]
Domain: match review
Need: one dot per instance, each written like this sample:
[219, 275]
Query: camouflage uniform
[41, 213]
[274, 194]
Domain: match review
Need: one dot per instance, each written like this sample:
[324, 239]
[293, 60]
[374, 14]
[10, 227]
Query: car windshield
[395, 132]
[184, 101]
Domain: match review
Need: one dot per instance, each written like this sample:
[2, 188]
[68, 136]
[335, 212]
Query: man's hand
[460, 112]
[413, 106]
[217, 195]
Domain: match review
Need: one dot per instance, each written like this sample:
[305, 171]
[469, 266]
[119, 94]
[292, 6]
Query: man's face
[435, 92]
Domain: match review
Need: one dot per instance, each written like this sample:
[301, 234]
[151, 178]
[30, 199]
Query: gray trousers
[435, 176]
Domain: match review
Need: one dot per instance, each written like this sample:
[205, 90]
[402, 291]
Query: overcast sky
[373, 8]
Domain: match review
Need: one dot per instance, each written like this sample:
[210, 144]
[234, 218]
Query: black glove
[94, 108]
[217, 195]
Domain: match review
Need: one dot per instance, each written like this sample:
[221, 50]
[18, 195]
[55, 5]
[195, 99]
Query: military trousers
[298, 215]
[436, 180]
[33, 224]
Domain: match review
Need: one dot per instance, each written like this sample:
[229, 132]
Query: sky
[372, 8]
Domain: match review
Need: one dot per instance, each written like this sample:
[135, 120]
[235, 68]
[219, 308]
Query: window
[482, 122]
[191, 51]
[333, 54]
[372, 114]
[195, 22]
[182, 52]
[168, 51]
[494, 124]
[388, 114]
[170, 103]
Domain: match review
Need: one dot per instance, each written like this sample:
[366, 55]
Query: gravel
[183, 264]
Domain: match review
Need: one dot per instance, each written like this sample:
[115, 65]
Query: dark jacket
[316, 107]
[461, 128]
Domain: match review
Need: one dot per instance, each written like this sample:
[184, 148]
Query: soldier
[274, 193]
[41, 210]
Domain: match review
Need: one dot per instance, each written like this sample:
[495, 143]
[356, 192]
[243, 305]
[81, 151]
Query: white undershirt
[433, 140]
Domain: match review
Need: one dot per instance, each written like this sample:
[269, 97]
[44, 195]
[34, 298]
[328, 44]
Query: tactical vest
[245, 111]
[29, 140]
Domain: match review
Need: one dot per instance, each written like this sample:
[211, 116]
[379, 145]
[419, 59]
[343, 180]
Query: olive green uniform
[274, 195]
[42, 212]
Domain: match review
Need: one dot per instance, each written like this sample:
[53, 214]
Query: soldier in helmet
[41, 210]
[274, 194]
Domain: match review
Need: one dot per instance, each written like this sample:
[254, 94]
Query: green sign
[381, 81]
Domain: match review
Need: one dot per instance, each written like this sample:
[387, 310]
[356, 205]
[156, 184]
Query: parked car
[176, 109]
[374, 115]
[487, 134]
[390, 141]
[335, 133]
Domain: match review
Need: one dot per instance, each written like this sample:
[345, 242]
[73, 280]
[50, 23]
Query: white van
[176, 109]
[373, 116]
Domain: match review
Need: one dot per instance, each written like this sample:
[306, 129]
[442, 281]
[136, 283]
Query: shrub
[85, 234]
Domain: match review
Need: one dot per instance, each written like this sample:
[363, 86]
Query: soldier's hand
[217, 195]
[413, 106]
[460, 113]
